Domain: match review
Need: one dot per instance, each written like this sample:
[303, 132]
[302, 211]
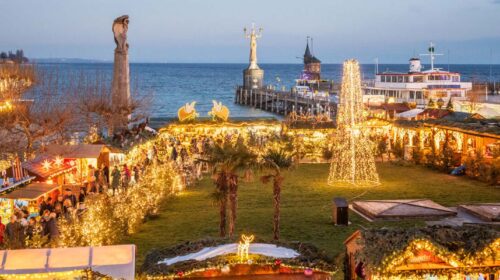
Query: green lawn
[305, 209]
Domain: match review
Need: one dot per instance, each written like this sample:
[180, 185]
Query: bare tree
[41, 119]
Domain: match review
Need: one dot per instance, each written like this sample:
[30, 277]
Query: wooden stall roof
[36, 167]
[400, 209]
[489, 212]
[30, 192]
[77, 151]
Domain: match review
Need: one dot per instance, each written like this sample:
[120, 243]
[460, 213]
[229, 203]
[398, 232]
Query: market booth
[117, 262]
[29, 196]
[81, 156]
[432, 253]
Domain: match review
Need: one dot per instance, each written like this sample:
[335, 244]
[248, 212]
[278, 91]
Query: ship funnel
[415, 65]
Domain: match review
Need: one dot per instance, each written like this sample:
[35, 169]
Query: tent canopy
[400, 209]
[77, 151]
[116, 261]
[410, 114]
[30, 192]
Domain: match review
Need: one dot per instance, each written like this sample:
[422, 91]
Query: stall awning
[36, 167]
[31, 191]
[116, 261]
[77, 151]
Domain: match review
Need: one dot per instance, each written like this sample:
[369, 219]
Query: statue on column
[253, 76]
[253, 36]
[120, 91]
[120, 28]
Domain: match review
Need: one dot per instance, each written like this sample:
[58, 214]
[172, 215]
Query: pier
[283, 102]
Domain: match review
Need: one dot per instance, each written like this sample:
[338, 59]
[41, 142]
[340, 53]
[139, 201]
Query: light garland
[352, 161]
[243, 247]
[459, 264]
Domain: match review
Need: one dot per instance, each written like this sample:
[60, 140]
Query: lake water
[173, 85]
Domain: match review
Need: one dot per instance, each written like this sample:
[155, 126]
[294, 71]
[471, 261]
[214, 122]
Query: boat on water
[310, 85]
[417, 87]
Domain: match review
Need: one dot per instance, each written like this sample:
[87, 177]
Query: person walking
[2, 231]
[115, 177]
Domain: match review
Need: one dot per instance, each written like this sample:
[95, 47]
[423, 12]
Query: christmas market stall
[85, 157]
[470, 252]
[107, 262]
[29, 196]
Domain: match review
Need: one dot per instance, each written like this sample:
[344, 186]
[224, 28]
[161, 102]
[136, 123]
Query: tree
[431, 104]
[92, 95]
[276, 160]
[3, 55]
[226, 160]
[44, 117]
[382, 147]
[449, 106]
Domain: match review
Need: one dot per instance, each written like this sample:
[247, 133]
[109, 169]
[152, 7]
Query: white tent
[115, 261]
[409, 114]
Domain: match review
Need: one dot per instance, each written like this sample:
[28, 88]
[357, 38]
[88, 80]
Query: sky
[211, 31]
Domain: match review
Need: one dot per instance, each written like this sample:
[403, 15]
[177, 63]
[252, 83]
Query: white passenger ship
[417, 87]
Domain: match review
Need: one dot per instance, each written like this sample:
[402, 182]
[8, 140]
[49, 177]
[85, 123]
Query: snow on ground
[263, 249]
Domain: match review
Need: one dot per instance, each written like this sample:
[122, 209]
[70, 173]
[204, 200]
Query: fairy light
[353, 161]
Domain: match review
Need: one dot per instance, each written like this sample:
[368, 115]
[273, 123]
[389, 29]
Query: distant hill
[67, 60]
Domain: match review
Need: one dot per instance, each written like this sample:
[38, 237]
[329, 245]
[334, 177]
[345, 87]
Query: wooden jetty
[283, 102]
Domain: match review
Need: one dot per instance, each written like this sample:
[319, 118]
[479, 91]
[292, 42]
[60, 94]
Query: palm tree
[275, 161]
[226, 160]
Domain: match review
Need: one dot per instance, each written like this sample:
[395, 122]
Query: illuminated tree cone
[352, 159]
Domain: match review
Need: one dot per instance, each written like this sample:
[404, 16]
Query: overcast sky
[211, 30]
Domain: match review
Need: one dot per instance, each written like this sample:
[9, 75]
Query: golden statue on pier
[219, 111]
[253, 36]
[187, 112]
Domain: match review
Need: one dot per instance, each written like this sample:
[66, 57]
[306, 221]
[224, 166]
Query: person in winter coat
[115, 176]
[2, 231]
[14, 233]
[53, 231]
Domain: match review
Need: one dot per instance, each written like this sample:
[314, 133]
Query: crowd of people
[23, 226]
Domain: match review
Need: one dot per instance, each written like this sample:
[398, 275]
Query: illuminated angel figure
[187, 112]
[219, 111]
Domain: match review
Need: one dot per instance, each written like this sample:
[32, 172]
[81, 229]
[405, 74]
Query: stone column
[120, 91]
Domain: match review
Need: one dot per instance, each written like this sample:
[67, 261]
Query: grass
[305, 208]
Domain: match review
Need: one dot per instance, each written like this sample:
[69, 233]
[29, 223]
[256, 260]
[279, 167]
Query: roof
[116, 261]
[308, 57]
[489, 212]
[462, 116]
[36, 166]
[398, 107]
[484, 128]
[30, 192]
[434, 113]
[76, 151]
[396, 250]
[400, 209]
[410, 114]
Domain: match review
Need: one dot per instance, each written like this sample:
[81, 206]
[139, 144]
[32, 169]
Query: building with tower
[312, 65]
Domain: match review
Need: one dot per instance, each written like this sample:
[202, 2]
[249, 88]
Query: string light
[243, 247]
[352, 161]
